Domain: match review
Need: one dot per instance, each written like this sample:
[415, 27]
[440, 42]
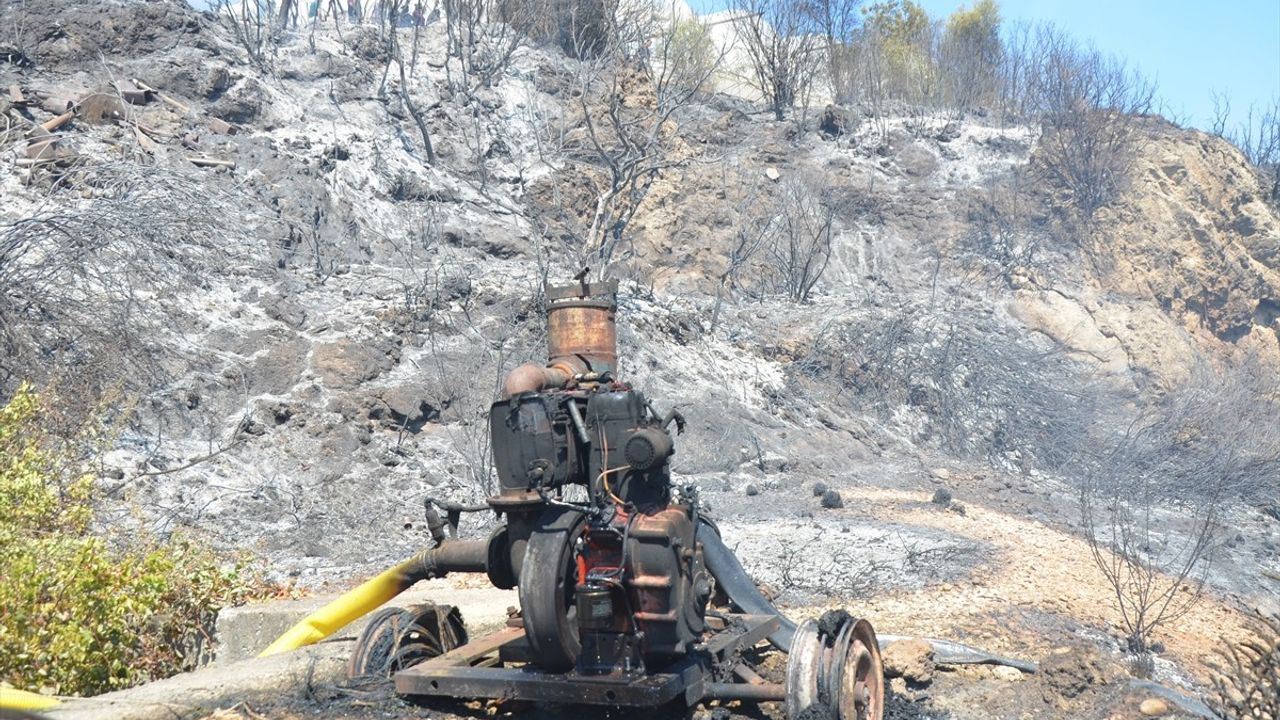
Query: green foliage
[905, 34]
[84, 612]
[971, 55]
[687, 55]
[979, 24]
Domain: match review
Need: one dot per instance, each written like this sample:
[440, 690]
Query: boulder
[1071, 671]
[917, 161]
[406, 407]
[835, 121]
[911, 660]
[831, 500]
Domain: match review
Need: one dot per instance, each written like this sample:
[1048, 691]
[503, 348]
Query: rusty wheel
[804, 665]
[835, 673]
[859, 680]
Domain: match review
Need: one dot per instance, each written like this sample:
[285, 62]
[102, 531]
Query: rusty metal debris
[44, 146]
[222, 127]
[41, 145]
[164, 97]
[57, 105]
[57, 122]
[133, 94]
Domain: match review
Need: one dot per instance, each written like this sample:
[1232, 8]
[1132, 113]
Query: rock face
[1154, 707]
[346, 363]
[1183, 263]
[1195, 236]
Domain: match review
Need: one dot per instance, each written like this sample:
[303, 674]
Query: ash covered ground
[324, 359]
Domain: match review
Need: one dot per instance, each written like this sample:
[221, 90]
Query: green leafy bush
[87, 610]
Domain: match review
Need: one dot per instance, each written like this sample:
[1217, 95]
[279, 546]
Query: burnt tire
[398, 638]
[547, 581]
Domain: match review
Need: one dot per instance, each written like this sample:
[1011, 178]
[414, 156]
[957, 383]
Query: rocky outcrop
[1195, 236]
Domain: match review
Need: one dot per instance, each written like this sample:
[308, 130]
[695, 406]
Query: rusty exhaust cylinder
[581, 325]
[582, 338]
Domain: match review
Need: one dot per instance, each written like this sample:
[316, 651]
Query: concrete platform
[237, 675]
[242, 632]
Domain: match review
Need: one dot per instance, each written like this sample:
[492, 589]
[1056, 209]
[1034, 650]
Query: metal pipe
[949, 652]
[745, 691]
[457, 556]
[578, 424]
[747, 675]
[531, 377]
[453, 556]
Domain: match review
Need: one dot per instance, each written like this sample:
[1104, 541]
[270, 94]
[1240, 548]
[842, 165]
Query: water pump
[615, 567]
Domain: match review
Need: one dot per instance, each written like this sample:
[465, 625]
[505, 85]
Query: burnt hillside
[306, 264]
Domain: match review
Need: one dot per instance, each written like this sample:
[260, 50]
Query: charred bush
[1247, 673]
[92, 284]
[1091, 108]
[1202, 444]
[958, 381]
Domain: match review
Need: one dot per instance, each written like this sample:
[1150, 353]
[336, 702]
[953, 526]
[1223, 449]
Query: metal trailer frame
[496, 666]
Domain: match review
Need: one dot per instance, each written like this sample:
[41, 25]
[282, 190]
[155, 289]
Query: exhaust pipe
[582, 338]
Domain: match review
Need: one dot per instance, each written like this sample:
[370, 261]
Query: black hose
[740, 588]
[747, 598]
[1186, 703]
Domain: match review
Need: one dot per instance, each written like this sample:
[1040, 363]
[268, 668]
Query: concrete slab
[196, 694]
[239, 676]
[243, 632]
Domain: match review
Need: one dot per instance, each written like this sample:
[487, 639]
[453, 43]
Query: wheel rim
[804, 664]
[861, 686]
[398, 638]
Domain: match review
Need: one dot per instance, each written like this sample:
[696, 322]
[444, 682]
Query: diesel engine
[603, 550]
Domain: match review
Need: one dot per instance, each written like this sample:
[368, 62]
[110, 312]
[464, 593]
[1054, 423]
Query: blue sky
[1190, 48]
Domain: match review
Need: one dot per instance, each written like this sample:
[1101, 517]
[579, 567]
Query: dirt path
[1035, 588]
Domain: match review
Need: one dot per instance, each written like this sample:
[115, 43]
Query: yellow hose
[350, 606]
[15, 699]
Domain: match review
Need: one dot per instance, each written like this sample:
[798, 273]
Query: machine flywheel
[547, 580]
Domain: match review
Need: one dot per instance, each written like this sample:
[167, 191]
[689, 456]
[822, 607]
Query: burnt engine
[603, 549]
